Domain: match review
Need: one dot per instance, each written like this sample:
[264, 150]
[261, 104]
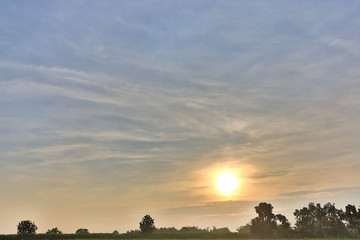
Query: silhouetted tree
[305, 220]
[115, 232]
[82, 231]
[352, 217]
[333, 225]
[283, 229]
[264, 211]
[262, 229]
[244, 229]
[147, 224]
[265, 224]
[317, 221]
[26, 227]
[283, 221]
[53, 231]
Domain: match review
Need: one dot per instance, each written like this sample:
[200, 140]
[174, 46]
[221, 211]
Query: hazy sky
[111, 110]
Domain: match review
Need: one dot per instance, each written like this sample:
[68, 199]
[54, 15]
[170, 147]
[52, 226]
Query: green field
[151, 237]
[226, 239]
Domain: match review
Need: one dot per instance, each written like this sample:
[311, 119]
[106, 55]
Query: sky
[110, 110]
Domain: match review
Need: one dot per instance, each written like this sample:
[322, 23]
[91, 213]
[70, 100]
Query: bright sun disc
[227, 183]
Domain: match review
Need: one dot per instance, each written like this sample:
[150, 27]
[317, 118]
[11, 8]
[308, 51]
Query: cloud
[141, 101]
[328, 191]
[211, 209]
[351, 47]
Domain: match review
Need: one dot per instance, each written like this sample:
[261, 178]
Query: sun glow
[227, 183]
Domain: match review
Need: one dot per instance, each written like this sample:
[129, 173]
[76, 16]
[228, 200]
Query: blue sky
[114, 109]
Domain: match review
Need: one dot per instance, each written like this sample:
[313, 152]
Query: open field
[108, 236]
[235, 238]
[126, 236]
[71, 237]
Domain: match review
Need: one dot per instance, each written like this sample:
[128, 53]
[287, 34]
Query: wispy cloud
[322, 191]
[138, 101]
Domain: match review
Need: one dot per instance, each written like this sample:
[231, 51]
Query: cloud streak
[105, 104]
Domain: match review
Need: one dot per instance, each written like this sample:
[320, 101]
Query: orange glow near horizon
[225, 181]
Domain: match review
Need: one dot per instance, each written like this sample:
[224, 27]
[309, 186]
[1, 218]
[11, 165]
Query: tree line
[312, 221]
[28, 227]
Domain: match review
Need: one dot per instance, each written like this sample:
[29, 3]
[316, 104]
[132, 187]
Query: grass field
[134, 235]
[78, 237]
[224, 239]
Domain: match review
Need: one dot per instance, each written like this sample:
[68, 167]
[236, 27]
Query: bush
[82, 231]
[54, 231]
[26, 227]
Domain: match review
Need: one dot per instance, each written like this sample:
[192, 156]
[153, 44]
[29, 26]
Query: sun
[227, 183]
